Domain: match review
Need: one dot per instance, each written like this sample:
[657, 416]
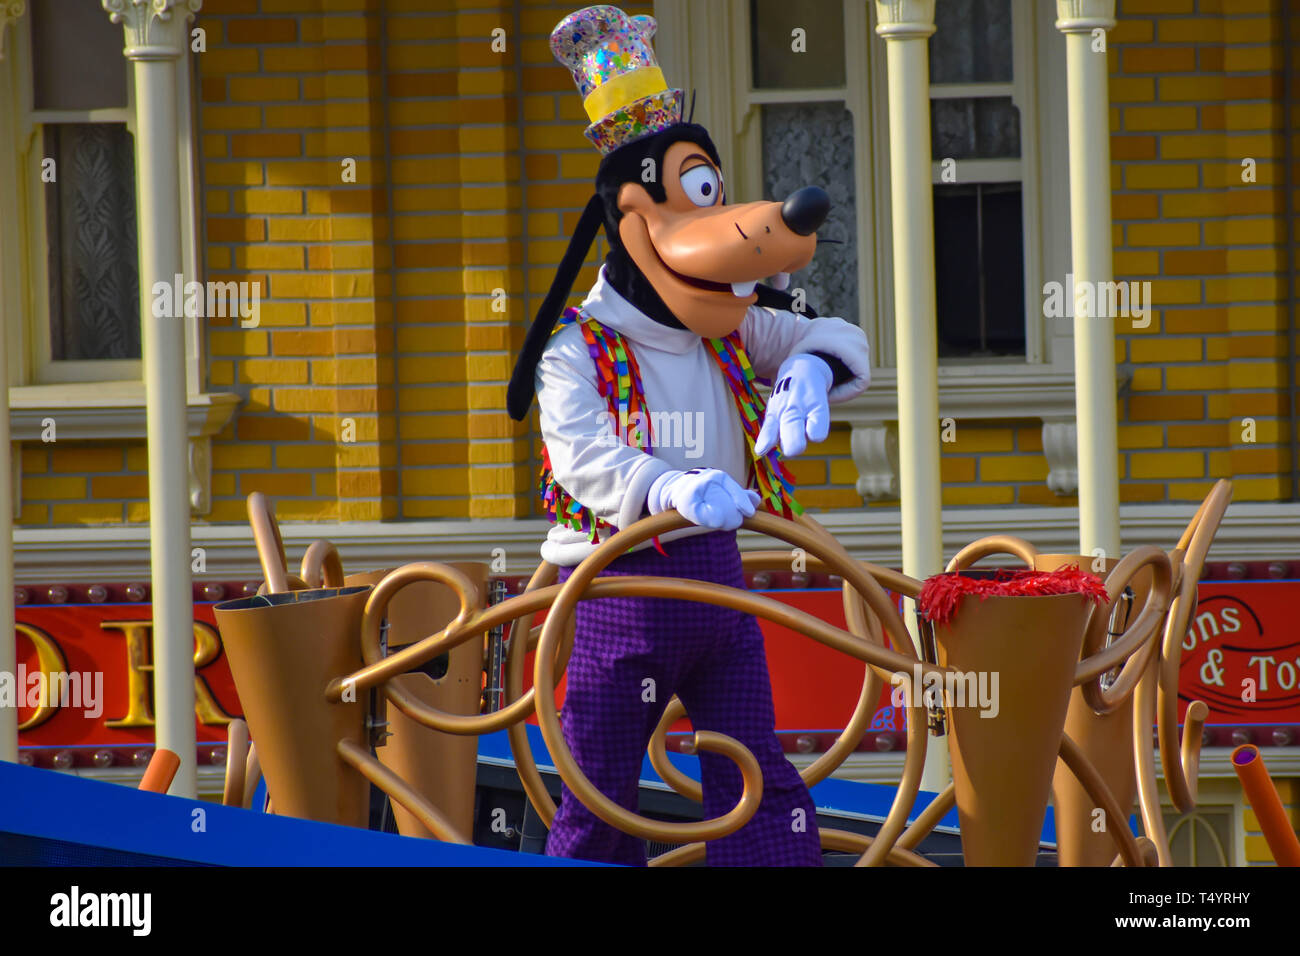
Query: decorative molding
[875, 453]
[969, 392]
[155, 29]
[1084, 16]
[116, 410]
[1251, 531]
[99, 410]
[10, 10]
[1061, 448]
[904, 19]
[200, 461]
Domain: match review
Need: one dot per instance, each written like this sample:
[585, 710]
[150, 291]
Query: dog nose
[806, 209]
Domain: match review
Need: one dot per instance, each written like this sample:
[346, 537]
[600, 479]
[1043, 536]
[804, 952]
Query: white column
[157, 32]
[906, 26]
[1084, 23]
[11, 10]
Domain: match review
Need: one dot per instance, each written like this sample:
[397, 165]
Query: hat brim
[642, 117]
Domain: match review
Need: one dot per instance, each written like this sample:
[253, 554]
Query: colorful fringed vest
[619, 379]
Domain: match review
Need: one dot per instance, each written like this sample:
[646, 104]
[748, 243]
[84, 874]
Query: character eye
[701, 185]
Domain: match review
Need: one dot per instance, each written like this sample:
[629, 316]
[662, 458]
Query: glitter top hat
[614, 65]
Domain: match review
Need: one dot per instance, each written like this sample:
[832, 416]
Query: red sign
[94, 662]
[1241, 655]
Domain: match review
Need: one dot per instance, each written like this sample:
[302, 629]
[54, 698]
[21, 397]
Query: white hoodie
[695, 422]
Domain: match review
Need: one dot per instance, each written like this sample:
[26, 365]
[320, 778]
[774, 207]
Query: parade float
[405, 699]
[389, 680]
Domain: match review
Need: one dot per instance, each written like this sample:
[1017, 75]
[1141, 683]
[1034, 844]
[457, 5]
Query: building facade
[375, 193]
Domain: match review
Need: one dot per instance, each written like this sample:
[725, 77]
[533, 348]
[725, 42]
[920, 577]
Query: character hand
[797, 409]
[705, 496]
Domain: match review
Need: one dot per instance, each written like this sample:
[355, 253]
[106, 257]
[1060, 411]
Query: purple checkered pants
[713, 659]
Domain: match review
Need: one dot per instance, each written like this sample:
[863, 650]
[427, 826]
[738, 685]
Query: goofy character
[675, 330]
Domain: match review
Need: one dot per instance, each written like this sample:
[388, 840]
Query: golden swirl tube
[1181, 760]
[1138, 642]
[395, 787]
[1091, 781]
[993, 544]
[270, 547]
[517, 733]
[581, 584]
[232, 792]
[321, 565]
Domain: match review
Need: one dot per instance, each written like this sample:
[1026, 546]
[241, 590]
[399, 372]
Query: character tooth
[742, 289]
[781, 281]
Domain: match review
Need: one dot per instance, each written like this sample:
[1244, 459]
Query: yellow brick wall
[1196, 89]
[290, 92]
[378, 316]
[1257, 851]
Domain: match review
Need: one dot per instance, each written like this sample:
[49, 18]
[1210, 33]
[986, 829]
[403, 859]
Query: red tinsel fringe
[940, 594]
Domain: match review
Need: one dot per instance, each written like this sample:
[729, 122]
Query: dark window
[971, 42]
[94, 284]
[819, 59]
[87, 183]
[979, 237]
[979, 266]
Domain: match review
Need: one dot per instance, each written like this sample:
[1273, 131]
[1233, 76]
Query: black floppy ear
[771, 298]
[522, 387]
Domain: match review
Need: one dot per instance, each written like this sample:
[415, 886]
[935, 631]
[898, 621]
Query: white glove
[705, 496]
[798, 409]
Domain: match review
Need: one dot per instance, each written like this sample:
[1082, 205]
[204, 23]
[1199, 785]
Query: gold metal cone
[1002, 765]
[440, 767]
[283, 650]
[1105, 739]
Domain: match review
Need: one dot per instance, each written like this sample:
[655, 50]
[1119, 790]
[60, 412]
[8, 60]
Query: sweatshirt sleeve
[589, 460]
[771, 336]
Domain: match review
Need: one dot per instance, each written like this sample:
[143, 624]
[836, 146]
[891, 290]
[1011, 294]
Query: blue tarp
[51, 806]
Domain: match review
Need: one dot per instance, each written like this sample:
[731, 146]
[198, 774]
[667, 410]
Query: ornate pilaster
[155, 29]
[904, 18]
[156, 33]
[905, 26]
[874, 448]
[1084, 23]
[9, 10]
[1084, 16]
[1061, 449]
[200, 475]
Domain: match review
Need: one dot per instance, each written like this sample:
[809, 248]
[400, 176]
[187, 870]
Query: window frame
[24, 309]
[855, 96]
[705, 48]
[1025, 170]
[689, 49]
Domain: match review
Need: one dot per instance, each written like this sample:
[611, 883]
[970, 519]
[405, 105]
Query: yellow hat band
[620, 90]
